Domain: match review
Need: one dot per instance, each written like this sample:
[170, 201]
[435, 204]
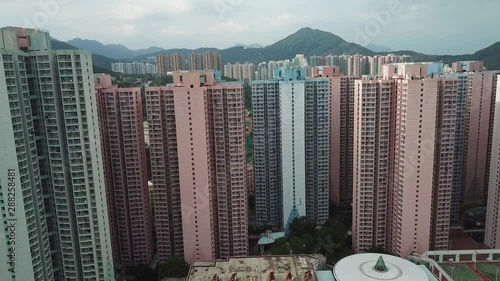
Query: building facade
[357, 65]
[250, 179]
[291, 147]
[239, 71]
[492, 234]
[134, 67]
[51, 137]
[460, 137]
[341, 109]
[168, 63]
[423, 164]
[125, 170]
[479, 122]
[205, 61]
[373, 113]
[403, 160]
[198, 161]
[267, 152]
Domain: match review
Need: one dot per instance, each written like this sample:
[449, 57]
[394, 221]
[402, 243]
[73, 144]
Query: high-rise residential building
[146, 133]
[291, 147]
[479, 122]
[261, 72]
[53, 197]
[404, 159]
[196, 62]
[460, 130]
[317, 61]
[134, 67]
[492, 234]
[125, 171]
[341, 132]
[239, 71]
[425, 120]
[300, 61]
[271, 66]
[205, 61]
[357, 65]
[467, 66]
[197, 137]
[267, 152]
[476, 89]
[373, 111]
[212, 61]
[169, 62]
[250, 185]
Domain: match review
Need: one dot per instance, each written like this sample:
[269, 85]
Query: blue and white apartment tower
[291, 137]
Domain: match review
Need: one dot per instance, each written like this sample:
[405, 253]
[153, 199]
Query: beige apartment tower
[166, 63]
[205, 61]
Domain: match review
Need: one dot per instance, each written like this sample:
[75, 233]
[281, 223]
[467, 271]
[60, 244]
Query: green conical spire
[380, 265]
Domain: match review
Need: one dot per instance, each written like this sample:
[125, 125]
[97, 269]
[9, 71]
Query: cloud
[227, 27]
[195, 23]
[172, 30]
[127, 29]
[283, 20]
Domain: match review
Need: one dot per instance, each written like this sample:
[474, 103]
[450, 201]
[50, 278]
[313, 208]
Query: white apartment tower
[291, 147]
[52, 195]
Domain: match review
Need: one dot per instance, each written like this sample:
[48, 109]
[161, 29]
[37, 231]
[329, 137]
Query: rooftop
[471, 265]
[270, 237]
[368, 267]
[279, 268]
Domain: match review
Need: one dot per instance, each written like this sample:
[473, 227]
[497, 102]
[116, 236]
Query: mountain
[251, 46]
[101, 63]
[306, 41]
[310, 42]
[114, 51]
[490, 56]
[378, 48]
[255, 46]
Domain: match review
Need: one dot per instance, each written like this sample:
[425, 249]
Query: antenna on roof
[380, 265]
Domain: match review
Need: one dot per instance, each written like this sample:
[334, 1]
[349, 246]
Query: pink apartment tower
[341, 109]
[125, 172]
[403, 162]
[479, 130]
[197, 137]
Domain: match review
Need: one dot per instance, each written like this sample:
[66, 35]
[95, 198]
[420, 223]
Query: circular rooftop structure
[376, 267]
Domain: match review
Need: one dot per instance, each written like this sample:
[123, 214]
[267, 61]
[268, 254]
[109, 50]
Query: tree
[229, 79]
[174, 267]
[145, 273]
[281, 247]
[377, 249]
[298, 245]
[160, 80]
[304, 237]
[301, 226]
[148, 163]
[249, 148]
[247, 90]
[332, 209]
[251, 202]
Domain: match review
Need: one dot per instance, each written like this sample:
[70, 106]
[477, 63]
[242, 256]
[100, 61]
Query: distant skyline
[426, 26]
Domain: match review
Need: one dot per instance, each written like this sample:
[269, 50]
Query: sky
[427, 26]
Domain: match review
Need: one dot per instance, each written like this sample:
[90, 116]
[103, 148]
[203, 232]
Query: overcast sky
[429, 26]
